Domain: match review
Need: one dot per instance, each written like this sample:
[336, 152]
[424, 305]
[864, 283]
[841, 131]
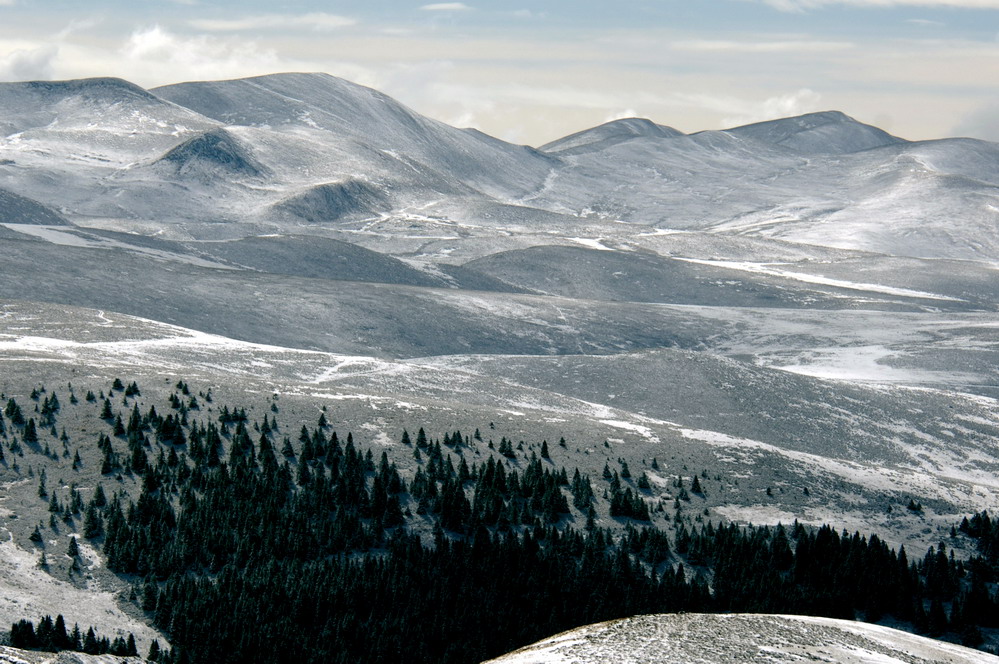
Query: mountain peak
[105, 89]
[214, 150]
[824, 132]
[608, 134]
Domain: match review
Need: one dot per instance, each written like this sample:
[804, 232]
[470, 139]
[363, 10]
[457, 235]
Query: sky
[531, 72]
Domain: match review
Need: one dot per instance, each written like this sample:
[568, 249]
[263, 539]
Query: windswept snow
[740, 639]
[761, 268]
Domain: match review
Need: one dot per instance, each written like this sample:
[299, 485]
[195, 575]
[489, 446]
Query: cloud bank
[28, 65]
[445, 7]
[313, 21]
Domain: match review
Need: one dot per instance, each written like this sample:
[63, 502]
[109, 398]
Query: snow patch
[28, 592]
[592, 243]
[764, 268]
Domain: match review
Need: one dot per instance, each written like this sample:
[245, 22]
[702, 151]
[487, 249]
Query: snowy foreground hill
[800, 315]
[740, 639]
[16, 656]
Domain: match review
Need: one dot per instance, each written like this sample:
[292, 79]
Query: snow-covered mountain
[312, 150]
[803, 310]
[737, 639]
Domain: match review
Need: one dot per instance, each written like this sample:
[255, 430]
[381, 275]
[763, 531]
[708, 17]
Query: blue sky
[533, 71]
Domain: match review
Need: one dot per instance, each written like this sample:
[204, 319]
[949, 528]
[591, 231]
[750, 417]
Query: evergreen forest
[259, 540]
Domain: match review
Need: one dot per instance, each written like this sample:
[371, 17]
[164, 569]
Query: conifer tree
[90, 645]
[30, 434]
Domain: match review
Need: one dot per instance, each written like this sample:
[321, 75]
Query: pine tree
[30, 434]
[93, 525]
[90, 645]
[60, 638]
[130, 648]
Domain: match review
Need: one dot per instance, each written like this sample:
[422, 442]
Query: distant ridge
[608, 134]
[829, 132]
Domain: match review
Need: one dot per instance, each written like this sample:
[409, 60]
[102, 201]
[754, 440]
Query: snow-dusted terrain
[16, 656]
[738, 639]
[804, 310]
[703, 293]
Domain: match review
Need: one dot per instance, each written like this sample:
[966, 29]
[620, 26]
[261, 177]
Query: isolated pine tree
[30, 432]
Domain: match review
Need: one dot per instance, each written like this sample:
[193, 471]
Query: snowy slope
[15, 209]
[858, 449]
[10, 655]
[830, 132]
[89, 121]
[345, 109]
[740, 638]
[608, 134]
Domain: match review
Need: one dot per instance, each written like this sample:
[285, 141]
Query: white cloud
[780, 106]
[28, 65]
[315, 21]
[155, 54]
[802, 5]
[796, 46]
[926, 23]
[445, 7]
[77, 25]
[7, 3]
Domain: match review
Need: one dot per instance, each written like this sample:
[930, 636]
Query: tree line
[248, 545]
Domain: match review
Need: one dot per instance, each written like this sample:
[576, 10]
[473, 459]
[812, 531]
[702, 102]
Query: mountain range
[802, 310]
